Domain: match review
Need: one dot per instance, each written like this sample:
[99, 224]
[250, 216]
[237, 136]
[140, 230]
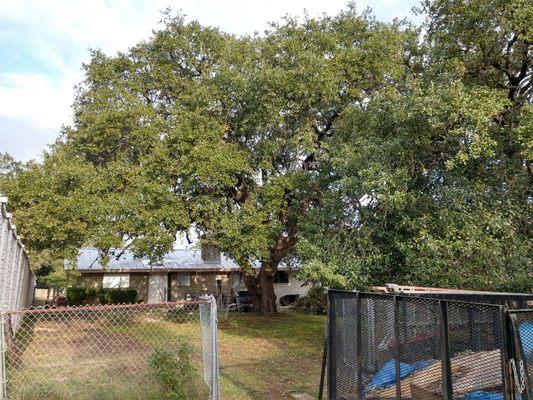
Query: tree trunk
[261, 289]
[268, 296]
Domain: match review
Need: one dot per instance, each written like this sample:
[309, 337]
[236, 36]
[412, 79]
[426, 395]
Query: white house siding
[293, 287]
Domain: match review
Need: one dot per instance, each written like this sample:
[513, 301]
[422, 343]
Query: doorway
[157, 287]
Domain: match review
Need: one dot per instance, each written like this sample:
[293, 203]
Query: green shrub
[77, 296]
[118, 296]
[315, 302]
[176, 373]
[516, 286]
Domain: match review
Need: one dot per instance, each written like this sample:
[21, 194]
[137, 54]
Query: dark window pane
[281, 277]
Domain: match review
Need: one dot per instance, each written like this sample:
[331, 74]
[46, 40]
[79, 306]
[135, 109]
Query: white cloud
[36, 98]
[32, 109]
[37, 103]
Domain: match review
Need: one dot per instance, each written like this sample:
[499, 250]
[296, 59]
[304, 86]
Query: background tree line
[368, 151]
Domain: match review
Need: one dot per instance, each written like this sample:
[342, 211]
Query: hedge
[118, 296]
[77, 296]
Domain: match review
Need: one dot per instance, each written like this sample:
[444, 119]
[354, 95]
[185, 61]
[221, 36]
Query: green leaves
[429, 183]
[197, 127]
[386, 154]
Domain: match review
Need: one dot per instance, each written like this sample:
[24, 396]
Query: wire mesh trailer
[423, 347]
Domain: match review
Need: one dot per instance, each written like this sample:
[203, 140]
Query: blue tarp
[386, 376]
[482, 395]
[526, 335]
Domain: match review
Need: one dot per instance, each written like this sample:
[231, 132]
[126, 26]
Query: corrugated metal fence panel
[16, 278]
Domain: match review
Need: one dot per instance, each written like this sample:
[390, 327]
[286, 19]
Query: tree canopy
[369, 151]
[431, 182]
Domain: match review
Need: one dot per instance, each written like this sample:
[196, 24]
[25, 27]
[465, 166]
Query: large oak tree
[367, 150]
[231, 135]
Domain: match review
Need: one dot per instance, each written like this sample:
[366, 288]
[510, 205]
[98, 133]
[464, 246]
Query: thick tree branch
[321, 134]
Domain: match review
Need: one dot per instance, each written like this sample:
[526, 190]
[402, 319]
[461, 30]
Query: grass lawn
[270, 357]
[102, 357]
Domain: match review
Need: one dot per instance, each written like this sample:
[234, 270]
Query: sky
[44, 43]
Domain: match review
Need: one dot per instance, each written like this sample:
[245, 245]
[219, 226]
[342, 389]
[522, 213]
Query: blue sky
[44, 43]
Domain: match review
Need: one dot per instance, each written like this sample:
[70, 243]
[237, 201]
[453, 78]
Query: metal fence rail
[385, 346]
[136, 351]
[16, 279]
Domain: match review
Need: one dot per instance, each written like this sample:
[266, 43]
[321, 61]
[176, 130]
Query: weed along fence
[424, 347]
[135, 351]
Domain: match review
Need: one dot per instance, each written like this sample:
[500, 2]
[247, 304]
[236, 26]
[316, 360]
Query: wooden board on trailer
[420, 393]
[426, 378]
[473, 371]
[478, 371]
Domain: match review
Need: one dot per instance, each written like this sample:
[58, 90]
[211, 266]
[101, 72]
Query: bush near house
[77, 296]
[315, 302]
[177, 373]
[118, 296]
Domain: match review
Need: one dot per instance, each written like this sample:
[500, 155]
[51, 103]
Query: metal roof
[176, 260]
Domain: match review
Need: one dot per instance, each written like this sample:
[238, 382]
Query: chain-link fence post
[215, 387]
[209, 331]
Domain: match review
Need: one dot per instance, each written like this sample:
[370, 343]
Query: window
[183, 279]
[116, 281]
[281, 277]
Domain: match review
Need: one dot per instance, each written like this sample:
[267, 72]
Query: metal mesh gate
[522, 366]
[384, 346]
[136, 351]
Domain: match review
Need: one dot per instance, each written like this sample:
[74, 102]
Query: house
[180, 275]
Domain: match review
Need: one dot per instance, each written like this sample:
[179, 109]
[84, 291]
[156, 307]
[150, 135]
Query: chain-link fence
[137, 351]
[16, 279]
[383, 346]
[225, 299]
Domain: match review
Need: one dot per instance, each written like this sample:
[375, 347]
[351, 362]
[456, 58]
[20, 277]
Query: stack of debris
[479, 371]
